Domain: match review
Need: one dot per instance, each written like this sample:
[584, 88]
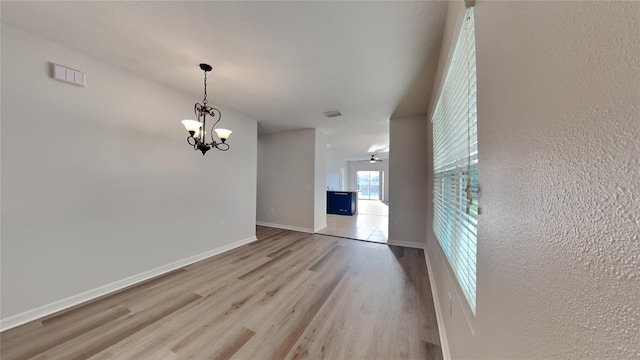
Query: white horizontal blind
[455, 162]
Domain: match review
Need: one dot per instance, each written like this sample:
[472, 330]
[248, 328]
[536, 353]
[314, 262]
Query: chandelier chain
[205, 101]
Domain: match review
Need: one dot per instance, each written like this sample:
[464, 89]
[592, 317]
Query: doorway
[368, 185]
[371, 222]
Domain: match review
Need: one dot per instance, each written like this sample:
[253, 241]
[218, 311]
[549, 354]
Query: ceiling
[281, 63]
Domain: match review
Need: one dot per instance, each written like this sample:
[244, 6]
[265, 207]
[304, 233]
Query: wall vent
[333, 113]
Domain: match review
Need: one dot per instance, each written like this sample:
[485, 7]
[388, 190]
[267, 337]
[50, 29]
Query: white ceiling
[281, 63]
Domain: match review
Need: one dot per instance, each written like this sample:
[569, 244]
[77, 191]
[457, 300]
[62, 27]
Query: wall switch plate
[223, 226]
[68, 75]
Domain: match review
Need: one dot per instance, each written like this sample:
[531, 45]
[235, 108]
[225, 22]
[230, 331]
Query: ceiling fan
[373, 159]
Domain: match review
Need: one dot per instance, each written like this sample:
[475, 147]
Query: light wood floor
[289, 295]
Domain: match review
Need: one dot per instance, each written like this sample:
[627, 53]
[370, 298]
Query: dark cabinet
[342, 202]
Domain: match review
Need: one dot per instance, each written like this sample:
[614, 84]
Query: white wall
[286, 177]
[558, 248]
[320, 182]
[98, 183]
[354, 166]
[408, 170]
[335, 170]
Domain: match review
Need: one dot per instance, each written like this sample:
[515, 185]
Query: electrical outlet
[222, 226]
[271, 211]
[450, 305]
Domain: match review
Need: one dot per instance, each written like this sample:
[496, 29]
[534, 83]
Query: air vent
[333, 113]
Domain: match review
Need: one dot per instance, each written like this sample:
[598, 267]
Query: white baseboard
[286, 227]
[48, 309]
[410, 244]
[444, 343]
[318, 228]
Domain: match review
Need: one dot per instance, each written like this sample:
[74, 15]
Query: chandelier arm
[222, 146]
[189, 142]
[213, 141]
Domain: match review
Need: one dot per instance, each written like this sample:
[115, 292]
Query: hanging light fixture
[197, 128]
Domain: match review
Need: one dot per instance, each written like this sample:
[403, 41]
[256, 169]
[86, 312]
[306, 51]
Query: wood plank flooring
[289, 295]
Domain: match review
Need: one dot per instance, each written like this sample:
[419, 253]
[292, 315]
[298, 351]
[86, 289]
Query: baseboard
[318, 228]
[444, 343]
[286, 227]
[48, 309]
[409, 244]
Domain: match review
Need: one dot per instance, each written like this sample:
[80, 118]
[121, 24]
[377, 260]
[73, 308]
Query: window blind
[455, 163]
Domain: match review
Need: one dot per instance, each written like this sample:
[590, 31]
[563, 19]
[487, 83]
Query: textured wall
[559, 138]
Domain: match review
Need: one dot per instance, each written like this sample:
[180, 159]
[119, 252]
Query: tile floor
[371, 223]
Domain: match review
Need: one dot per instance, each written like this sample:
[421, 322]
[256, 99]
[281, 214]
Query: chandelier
[197, 128]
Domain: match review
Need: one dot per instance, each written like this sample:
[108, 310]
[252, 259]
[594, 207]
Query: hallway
[370, 223]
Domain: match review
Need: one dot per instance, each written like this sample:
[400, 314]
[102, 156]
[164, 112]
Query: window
[368, 184]
[455, 163]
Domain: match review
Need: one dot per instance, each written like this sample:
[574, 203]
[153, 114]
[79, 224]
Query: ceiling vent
[333, 113]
